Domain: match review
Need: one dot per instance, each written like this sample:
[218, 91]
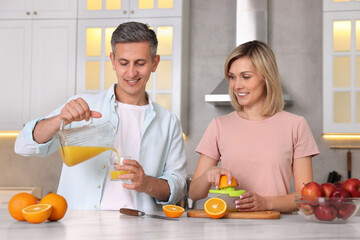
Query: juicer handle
[62, 125]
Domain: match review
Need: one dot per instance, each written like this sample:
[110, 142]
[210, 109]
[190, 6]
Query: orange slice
[215, 207]
[37, 213]
[224, 182]
[173, 211]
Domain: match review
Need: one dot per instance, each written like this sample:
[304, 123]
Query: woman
[259, 144]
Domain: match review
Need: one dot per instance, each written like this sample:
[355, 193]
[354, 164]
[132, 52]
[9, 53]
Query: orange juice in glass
[114, 172]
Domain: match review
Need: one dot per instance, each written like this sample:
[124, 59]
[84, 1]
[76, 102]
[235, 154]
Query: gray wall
[295, 34]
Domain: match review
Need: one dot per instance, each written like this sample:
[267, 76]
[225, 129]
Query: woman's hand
[251, 201]
[214, 173]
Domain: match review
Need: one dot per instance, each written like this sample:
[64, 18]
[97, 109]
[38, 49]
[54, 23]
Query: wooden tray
[200, 213]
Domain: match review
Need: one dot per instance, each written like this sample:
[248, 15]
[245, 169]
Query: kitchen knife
[137, 213]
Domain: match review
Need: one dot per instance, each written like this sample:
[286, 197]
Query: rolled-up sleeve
[175, 167]
[25, 144]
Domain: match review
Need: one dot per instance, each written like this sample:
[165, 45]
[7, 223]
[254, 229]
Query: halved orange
[37, 213]
[225, 183]
[173, 211]
[215, 207]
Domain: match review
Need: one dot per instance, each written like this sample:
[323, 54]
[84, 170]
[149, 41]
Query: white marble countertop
[112, 225]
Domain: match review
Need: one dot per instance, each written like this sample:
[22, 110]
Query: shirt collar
[112, 97]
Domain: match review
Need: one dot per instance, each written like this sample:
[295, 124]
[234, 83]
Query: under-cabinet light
[9, 133]
[341, 136]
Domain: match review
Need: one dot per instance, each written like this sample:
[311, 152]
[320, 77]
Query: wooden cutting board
[200, 213]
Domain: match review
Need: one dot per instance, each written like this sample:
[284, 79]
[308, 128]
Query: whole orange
[18, 202]
[58, 203]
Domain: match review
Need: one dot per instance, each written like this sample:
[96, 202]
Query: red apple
[346, 212]
[352, 185]
[328, 188]
[325, 213]
[306, 208]
[339, 196]
[337, 184]
[312, 189]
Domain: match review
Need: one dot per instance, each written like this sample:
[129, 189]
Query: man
[151, 135]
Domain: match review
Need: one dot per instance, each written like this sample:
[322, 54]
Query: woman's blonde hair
[264, 61]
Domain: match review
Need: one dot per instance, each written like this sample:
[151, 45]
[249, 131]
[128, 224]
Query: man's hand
[136, 175]
[155, 187]
[77, 110]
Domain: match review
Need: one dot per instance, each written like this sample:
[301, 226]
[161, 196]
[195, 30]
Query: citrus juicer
[229, 194]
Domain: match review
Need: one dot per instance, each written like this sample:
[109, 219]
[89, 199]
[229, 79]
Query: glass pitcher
[77, 145]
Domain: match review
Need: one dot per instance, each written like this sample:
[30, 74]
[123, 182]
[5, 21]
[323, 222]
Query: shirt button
[98, 186]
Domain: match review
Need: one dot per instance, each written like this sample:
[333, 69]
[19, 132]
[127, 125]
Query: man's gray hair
[135, 32]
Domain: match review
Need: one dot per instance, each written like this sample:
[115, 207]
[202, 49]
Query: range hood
[251, 24]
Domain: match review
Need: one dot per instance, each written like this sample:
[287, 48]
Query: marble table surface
[81, 224]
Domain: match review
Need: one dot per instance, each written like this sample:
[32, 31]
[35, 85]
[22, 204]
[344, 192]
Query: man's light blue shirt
[162, 155]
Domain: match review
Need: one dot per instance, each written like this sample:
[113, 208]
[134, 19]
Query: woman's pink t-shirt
[259, 154]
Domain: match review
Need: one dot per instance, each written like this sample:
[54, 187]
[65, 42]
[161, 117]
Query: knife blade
[137, 213]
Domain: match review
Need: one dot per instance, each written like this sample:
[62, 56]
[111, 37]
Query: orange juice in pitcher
[73, 155]
[77, 145]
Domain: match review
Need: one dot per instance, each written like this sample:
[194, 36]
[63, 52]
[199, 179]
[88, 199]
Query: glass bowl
[327, 210]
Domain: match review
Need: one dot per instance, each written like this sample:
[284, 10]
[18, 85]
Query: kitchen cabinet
[37, 9]
[341, 64]
[97, 21]
[37, 62]
[130, 8]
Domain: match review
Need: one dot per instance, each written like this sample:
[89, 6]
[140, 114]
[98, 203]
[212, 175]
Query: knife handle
[131, 212]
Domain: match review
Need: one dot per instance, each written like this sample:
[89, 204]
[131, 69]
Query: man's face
[133, 65]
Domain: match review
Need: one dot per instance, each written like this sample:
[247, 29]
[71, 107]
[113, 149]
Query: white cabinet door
[15, 69]
[15, 9]
[53, 65]
[103, 9]
[54, 9]
[38, 9]
[130, 8]
[156, 8]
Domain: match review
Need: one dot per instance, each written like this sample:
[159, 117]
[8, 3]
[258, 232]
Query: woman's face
[247, 84]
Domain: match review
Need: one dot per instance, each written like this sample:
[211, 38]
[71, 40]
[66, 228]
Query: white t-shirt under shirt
[127, 143]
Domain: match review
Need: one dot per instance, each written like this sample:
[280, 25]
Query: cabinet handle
[27, 13]
[35, 13]
[132, 12]
[125, 12]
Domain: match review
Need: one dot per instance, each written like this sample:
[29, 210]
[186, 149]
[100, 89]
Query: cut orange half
[225, 183]
[37, 213]
[215, 207]
[173, 211]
